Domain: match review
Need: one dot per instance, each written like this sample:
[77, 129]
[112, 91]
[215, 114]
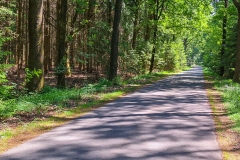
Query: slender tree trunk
[60, 41]
[147, 37]
[70, 42]
[154, 49]
[47, 41]
[89, 49]
[84, 50]
[110, 12]
[35, 75]
[237, 63]
[224, 37]
[157, 14]
[26, 36]
[135, 25]
[23, 33]
[115, 40]
[19, 39]
[80, 64]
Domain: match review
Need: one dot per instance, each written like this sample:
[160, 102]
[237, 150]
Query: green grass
[5, 134]
[230, 94]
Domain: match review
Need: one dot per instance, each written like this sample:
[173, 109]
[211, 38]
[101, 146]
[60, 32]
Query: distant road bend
[169, 120]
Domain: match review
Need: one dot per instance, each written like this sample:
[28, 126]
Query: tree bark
[60, 42]
[19, 44]
[47, 41]
[26, 36]
[135, 26]
[157, 14]
[237, 63]
[224, 37]
[36, 54]
[89, 47]
[115, 40]
[154, 48]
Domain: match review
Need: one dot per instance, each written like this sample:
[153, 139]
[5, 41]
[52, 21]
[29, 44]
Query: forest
[55, 51]
[52, 44]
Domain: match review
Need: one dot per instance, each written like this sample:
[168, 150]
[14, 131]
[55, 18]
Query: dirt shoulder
[228, 139]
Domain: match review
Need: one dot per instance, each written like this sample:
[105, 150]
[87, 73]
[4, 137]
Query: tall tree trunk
[70, 42]
[19, 43]
[110, 13]
[224, 37]
[23, 33]
[237, 63]
[135, 25]
[115, 40]
[157, 14]
[47, 41]
[154, 49]
[60, 41]
[147, 36]
[26, 36]
[89, 49]
[35, 75]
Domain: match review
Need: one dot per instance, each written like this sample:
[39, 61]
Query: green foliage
[7, 108]
[62, 67]
[7, 18]
[212, 43]
[6, 88]
[104, 82]
[31, 74]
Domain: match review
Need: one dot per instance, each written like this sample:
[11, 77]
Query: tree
[158, 9]
[115, 39]
[224, 37]
[60, 41]
[237, 63]
[35, 71]
[47, 38]
[19, 46]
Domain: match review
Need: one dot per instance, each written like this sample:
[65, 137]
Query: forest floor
[228, 139]
[75, 80]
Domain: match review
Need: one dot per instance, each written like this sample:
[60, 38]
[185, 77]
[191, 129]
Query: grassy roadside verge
[223, 97]
[37, 113]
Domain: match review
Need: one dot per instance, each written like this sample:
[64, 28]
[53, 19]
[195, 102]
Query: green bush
[6, 88]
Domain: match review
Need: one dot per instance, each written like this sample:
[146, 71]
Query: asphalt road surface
[169, 120]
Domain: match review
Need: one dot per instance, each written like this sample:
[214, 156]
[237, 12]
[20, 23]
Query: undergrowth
[230, 94]
[62, 99]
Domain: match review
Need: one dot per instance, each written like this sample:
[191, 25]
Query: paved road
[169, 120]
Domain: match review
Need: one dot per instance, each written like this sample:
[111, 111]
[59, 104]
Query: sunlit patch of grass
[68, 113]
[111, 96]
[5, 134]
